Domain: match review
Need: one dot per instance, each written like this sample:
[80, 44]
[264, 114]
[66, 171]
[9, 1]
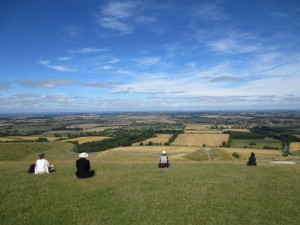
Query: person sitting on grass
[42, 165]
[163, 160]
[252, 160]
[83, 166]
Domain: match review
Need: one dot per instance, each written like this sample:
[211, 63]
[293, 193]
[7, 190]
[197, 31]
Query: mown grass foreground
[132, 192]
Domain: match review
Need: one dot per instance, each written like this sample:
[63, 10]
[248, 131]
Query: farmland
[201, 139]
[206, 183]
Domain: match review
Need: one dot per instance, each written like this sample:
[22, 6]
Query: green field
[259, 143]
[129, 189]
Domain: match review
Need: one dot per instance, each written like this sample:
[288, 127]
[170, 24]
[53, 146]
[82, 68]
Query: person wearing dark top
[252, 160]
[83, 166]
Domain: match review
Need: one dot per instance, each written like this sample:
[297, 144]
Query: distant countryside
[208, 181]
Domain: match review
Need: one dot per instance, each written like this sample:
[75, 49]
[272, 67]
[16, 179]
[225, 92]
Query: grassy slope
[29, 150]
[129, 191]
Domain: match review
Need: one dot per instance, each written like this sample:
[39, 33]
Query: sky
[152, 55]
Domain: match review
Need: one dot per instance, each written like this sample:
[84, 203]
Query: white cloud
[72, 31]
[122, 17]
[115, 15]
[232, 46]
[56, 67]
[46, 83]
[209, 11]
[87, 50]
[64, 58]
[107, 67]
[119, 10]
[149, 61]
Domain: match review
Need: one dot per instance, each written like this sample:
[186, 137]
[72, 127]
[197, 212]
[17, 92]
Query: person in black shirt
[252, 160]
[83, 166]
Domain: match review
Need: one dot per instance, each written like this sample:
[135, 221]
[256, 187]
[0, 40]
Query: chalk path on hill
[208, 153]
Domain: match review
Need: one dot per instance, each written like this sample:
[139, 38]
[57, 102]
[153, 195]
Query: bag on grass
[31, 168]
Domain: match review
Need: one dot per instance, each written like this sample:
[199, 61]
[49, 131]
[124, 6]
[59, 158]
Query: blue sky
[96, 55]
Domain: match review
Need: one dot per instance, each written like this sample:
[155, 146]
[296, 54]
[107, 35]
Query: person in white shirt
[42, 165]
[163, 160]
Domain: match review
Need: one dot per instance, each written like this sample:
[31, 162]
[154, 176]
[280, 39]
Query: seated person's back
[83, 166]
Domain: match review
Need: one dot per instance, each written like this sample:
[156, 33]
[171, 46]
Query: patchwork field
[25, 138]
[102, 128]
[160, 139]
[238, 130]
[201, 139]
[260, 154]
[83, 126]
[295, 146]
[82, 140]
[201, 129]
[205, 184]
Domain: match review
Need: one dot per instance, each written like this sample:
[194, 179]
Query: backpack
[31, 168]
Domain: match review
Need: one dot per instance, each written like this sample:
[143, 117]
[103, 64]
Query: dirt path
[208, 153]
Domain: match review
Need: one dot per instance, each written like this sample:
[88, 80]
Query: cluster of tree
[174, 136]
[122, 138]
[21, 133]
[64, 127]
[244, 135]
[277, 133]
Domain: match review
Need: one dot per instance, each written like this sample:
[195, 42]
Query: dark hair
[41, 155]
[252, 154]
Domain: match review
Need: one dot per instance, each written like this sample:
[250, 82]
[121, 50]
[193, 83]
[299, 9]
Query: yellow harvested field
[25, 138]
[255, 150]
[102, 128]
[261, 154]
[295, 146]
[86, 139]
[198, 127]
[201, 139]
[202, 132]
[8, 139]
[201, 129]
[161, 138]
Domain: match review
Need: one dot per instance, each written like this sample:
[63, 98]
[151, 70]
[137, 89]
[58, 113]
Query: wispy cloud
[4, 85]
[123, 17]
[72, 31]
[233, 46]
[115, 15]
[100, 84]
[87, 50]
[210, 12]
[226, 79]
[56, 67]
[149, 61]
[66, 58]
[46, 83]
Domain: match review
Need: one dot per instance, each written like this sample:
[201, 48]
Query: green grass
[136, 192]
[25, 150]
[241, 143]
[204, 155]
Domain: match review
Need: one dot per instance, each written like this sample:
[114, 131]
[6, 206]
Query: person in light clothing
[42, 165]
[164, 160]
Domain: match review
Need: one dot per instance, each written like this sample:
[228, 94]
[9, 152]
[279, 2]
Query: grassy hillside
[29, 150]
[129, 189]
